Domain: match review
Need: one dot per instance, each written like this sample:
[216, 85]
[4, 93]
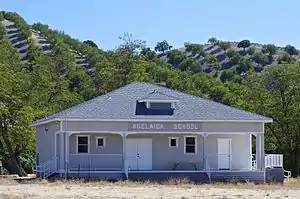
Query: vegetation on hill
[72, 72]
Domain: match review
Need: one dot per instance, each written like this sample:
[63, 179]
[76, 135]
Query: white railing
[47, 168]
[273, 160]
[95, 162]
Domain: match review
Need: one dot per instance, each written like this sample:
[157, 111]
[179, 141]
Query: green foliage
[190, 64]
[162, 46]
[213, 41]
[90, 43]
[1, 16]
[286, 59]
[251, 50]
[176, 57]
[231, 53]
[291, 50]
[259, 58]
[276, 93]
[227, 75]
[270, 49]
[148, 53]
[210, 59]
[2, 31]
[194, 48]
[244, 44]
[224, 45]
[19, 21]
[244, 65]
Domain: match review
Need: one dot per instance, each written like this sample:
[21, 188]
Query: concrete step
[198, 177]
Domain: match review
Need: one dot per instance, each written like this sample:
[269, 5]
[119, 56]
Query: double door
[139, 154]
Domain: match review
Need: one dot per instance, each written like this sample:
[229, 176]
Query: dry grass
[10, 189]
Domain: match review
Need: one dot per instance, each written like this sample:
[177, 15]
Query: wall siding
[45, 141]
[240, 148]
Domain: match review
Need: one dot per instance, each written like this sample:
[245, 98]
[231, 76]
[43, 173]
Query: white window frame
[184, 149]
[176, 138]
[104, 141]
[88, 136]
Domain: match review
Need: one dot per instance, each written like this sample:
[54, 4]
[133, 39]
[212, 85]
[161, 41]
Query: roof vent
[108, 97]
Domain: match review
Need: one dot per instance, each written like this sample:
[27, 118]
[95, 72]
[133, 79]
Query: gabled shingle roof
[120, 104]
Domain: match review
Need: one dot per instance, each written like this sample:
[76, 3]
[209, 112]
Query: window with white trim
[190, 145]
[100, 142]
[173, 142]
[82, 144]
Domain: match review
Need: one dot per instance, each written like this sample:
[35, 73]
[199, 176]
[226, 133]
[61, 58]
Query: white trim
[55, 143]
[104, 141]
[167, 171]
[230, 151]
[88, 136]
[157, 101]
[113, 171]
[146, 120]
[190, 136]
[176, 139]
[163, 132]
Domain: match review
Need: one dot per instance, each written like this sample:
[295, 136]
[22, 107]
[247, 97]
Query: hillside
[44, 71]
[235, 58]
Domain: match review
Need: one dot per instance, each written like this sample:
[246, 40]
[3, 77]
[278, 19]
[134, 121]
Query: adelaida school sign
[167, 127]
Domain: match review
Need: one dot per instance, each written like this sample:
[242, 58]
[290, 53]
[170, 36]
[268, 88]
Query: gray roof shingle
[121, 104]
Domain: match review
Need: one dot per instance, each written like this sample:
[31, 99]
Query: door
[224, 153]
[139, 154]
[131, 154]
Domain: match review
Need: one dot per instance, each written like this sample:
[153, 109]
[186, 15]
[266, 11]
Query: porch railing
[271, 160]
[47, 168]
[95, 162]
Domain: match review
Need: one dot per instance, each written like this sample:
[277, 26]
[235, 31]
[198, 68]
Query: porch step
[199, 177]
[239, 176]
[90, 176]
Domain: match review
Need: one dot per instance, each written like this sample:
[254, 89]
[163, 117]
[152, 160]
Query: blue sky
[177, 21]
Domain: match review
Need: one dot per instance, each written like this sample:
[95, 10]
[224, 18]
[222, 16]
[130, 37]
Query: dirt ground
[10, 189]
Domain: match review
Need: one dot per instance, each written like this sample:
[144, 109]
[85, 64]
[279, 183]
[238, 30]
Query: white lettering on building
[156, 126]
[148, 126]
[185, 126]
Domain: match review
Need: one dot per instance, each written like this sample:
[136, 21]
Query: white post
[262, 152]
[125, 166]
[258, 151]
[204, 152]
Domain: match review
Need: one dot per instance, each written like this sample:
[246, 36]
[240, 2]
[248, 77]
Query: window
[100, 142]
[190, 145]
[82, 144]
[161, 105]
[173, 142]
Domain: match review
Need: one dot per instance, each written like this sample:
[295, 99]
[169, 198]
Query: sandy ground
[62, 190]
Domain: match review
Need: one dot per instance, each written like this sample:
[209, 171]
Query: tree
[270, 49]
[162, 46]
[210, 59]
[291, 50]
[251, 50]
[244, 44]
[213, 41]
[90, 43]
[260, 58]
[176, 57]
[275, 93]
[194, 48]
[224, 45]
[190, 64]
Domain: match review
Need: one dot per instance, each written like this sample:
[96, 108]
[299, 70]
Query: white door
[131, 154]
[139, 154]
[144, 154]
[224, 153]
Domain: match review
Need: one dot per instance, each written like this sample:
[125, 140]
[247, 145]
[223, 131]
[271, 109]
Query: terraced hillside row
[21, 42]
[219, 56]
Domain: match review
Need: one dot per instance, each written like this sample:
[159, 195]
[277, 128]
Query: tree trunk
[10, 161]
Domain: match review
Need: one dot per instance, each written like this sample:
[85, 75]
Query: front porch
[158, 156]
